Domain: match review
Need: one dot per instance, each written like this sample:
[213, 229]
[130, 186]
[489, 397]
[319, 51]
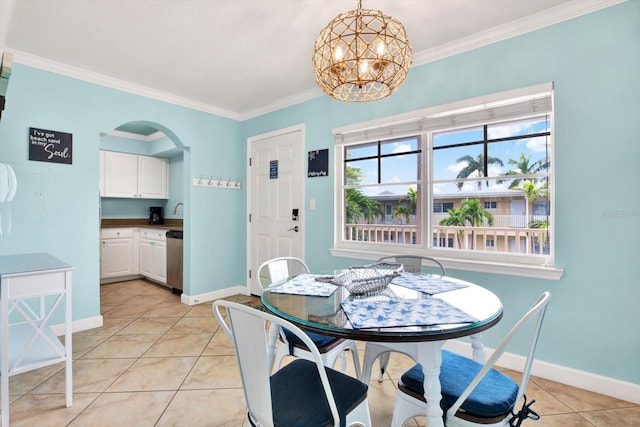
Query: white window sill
[521, 270]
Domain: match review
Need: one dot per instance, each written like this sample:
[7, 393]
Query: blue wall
[56, 208]
[593, 61]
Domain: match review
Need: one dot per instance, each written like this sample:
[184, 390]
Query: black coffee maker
[155, 215]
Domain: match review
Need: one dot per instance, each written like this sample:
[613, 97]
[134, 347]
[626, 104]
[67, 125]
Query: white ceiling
[239, 58]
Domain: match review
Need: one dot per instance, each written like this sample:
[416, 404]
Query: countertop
[169, 223]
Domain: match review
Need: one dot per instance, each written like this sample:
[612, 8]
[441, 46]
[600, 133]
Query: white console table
[32, 286]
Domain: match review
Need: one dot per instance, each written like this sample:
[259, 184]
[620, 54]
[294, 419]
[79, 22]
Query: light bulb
[380, 49]
[337, 55]
[364, 66]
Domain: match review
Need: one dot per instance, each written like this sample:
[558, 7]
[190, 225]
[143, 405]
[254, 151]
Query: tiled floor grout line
[558, 400]
[140, 316]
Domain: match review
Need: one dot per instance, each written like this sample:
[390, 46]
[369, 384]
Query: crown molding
[555, 15]
[123, 85]
[147, 138]
[287, 101]
[534, 22]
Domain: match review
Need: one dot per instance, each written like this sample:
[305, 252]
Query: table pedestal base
[429, 355]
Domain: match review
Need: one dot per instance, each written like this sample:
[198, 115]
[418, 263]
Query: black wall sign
[273, 169]
[50, 146]
[318, 163]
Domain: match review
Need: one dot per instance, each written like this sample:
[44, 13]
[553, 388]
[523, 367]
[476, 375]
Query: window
[482, 192]
[505, 161]
[381, 191]
[442, 207]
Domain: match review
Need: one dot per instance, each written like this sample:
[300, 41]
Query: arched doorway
[148, 142]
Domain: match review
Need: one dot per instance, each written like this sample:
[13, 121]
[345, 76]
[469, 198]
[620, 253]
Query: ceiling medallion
[362, 55]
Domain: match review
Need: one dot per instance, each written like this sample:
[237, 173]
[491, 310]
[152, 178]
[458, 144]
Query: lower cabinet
[152, 253]
[117, 253]
[130, 252]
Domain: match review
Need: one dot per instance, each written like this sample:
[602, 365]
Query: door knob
[296, 229]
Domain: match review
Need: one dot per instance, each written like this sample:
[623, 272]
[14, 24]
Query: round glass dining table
[420, 338]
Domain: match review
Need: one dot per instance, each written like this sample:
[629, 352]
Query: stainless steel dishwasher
[174, 260]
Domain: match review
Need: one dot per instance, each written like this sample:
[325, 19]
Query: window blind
[520, 103]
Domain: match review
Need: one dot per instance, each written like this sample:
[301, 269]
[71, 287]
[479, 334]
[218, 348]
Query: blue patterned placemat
[428, 284]
[305, 284]
[393, 313]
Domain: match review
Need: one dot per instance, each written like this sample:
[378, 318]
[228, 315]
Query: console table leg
[4, 363]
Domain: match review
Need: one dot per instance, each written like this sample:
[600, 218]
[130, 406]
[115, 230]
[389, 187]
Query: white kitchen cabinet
[134, 176]
[153, 254]
[118, 252]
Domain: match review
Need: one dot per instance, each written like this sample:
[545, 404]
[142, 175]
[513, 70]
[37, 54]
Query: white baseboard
[612, 387]
[562, 374]
[79, 325]
[211, 296]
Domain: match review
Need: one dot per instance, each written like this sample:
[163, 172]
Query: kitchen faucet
[175, 209]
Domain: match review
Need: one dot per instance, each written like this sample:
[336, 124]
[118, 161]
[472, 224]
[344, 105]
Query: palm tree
[475, 164]
[544, 237]
[470, 211]
[412, 199]
[532, 192]
[473, 212]
[401, 211]
[524, 167]
[358, 205]
[455, 219]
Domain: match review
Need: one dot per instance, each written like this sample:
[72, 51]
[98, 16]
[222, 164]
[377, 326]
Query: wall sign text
[50, 146]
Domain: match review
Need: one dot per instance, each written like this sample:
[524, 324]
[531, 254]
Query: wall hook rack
[217, 183]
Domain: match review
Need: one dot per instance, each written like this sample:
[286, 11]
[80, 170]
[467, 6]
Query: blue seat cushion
[298, 398]
[494, 396]
[318, 339]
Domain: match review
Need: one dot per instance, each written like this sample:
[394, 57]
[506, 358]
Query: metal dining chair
[415, 263]
[474, 394]
[330, 347]
[410, 264]
[302, 393]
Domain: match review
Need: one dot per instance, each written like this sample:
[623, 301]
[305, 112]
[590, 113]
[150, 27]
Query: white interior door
[275, 195]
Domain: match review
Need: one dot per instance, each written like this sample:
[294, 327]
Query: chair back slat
[536, 312]
[280, 268]
[251, 351]
[246, 328]
[414, 263]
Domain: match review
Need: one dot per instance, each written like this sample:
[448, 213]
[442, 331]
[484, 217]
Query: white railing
[495, 239]
[504, 221]
[385, 233]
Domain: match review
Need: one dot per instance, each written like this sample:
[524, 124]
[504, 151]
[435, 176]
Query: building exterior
[513, 229]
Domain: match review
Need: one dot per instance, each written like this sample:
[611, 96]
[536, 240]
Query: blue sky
[403, 168]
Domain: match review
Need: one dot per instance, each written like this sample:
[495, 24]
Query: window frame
[489, 262]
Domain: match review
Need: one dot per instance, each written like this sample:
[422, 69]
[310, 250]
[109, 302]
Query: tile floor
[156, 362]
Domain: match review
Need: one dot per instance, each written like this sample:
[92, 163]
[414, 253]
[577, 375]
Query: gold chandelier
[362, 55]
